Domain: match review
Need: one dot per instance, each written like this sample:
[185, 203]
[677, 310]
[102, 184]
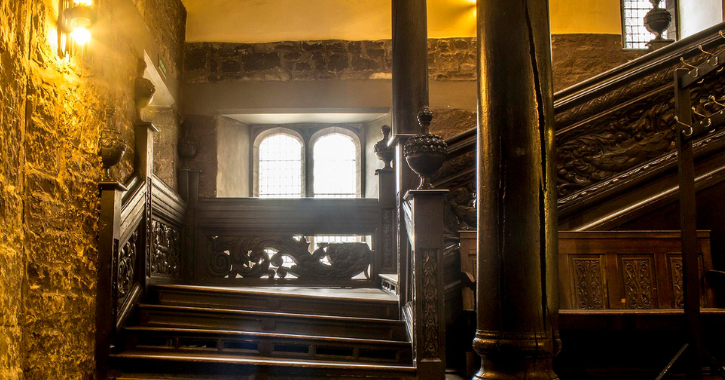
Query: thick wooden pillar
[410, 94]
[517, 308]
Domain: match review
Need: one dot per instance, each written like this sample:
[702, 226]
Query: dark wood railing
[614, 135]
[251, 241]
[139, 244]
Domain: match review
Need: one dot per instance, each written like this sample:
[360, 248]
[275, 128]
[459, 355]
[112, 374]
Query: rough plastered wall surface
[51, 117]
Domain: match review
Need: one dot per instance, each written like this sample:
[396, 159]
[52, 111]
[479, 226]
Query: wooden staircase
[280, 333]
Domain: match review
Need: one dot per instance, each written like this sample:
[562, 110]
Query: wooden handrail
[614, 132]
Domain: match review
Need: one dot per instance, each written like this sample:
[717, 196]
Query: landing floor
[317, 292]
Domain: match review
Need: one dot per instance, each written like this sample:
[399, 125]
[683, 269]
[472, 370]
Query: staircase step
[259, 321]
[149, 364]
[269, 344]
[360, 302]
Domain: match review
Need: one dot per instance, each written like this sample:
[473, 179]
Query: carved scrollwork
[639, 132]
[388, 239]
[638, 283]
[589, 284]
[166, 251]
[677, 287]
[127, 266]
[258, 257]
[430, 303]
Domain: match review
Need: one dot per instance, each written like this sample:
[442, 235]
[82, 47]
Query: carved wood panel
[676, 276]
[126, 267]
[430, 303]
[275, 257]
[635, 270]
[165, 250]
[388, 236]
[639, 285]
[589, 282]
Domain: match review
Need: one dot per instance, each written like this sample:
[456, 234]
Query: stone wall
[51, 120]
[449, 59]
[576, 58]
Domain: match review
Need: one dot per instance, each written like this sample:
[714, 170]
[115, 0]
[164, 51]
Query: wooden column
[410, 94]
[517, 308]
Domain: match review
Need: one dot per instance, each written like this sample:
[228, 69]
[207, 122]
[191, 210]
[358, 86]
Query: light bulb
[81, 36]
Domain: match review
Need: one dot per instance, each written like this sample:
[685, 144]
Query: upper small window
[280, 167]
[335, 166]
[635, 34]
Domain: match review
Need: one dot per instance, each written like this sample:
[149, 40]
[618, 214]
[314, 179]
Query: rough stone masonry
[49, 169]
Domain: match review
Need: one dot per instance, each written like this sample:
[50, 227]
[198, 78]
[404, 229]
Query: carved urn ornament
[385, 152]
[657, 20]
[111, 146]
[144, 90]
[425, 152]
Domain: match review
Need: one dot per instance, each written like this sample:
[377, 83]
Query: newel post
[108, 242]
[111, 148]
[426, 229]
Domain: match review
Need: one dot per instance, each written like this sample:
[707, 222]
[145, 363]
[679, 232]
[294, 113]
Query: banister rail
[614, 133]
[305, 241]
[139, 242]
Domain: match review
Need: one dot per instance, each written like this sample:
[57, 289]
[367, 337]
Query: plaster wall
[233, 158]
[697, 15]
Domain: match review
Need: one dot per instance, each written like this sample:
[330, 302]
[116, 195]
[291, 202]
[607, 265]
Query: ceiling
[297, 20]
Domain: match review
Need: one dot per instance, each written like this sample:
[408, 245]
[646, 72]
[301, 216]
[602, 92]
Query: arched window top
[279, 164]
[336, 157]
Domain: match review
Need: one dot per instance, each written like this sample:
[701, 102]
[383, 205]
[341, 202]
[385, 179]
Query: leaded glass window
[335, 167]
[280, 167]
[636, 36]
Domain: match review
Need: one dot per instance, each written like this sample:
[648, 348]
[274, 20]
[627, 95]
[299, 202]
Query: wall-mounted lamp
[75, 18]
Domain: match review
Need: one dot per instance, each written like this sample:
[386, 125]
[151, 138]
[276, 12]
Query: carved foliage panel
[388, 254]
[231, 258]
[166, 249]
[430, 318]
[126, 266]
[677, 279]
[638, 274]
[611, 143]
[588, 281]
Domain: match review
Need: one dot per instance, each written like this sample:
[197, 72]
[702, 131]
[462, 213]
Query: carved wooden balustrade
[614, 140]
[253, 241]
[139, 244]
